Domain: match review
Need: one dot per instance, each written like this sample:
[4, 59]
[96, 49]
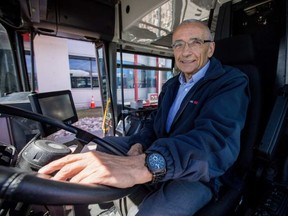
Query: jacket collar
[215, 70]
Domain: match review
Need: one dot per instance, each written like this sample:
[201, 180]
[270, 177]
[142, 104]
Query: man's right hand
[95, 167]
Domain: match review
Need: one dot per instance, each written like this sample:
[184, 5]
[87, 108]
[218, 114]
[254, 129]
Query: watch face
[156, 162]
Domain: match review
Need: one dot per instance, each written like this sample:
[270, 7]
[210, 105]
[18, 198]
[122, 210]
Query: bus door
[105, 92]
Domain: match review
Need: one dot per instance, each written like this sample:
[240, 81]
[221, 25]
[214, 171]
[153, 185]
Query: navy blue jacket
[204, 139]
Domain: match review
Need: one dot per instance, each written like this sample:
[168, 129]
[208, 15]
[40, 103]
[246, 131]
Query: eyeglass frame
[191, 40]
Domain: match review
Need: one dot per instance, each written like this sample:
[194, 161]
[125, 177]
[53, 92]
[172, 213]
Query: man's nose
[187, 50]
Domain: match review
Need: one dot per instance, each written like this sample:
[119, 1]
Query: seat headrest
[235, 50]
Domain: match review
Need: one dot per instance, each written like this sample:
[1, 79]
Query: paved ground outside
[90, 113]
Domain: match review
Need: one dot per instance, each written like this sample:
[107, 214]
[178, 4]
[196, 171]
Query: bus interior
[132, 43]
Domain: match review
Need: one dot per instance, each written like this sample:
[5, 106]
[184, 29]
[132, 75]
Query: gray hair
[205, 27]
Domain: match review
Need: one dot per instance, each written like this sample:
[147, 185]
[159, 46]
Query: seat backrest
[238, 51]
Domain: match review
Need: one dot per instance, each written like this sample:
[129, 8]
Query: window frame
[86, 80]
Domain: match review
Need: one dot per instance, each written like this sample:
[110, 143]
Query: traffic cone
[92, 103]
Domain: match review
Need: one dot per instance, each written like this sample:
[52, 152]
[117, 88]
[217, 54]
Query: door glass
[108, 120]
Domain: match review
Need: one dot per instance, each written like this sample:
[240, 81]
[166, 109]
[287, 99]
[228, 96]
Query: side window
[83, 73]
[142, 76]
[8, 76]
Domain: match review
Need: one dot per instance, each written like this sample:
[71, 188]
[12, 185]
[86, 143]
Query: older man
[187, 144]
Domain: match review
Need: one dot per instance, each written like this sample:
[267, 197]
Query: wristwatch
[156, 164]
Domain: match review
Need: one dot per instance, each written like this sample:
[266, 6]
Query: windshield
[8, 77]
[156, 26]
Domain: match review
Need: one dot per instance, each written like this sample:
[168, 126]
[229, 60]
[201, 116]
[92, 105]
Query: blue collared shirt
[182, 91]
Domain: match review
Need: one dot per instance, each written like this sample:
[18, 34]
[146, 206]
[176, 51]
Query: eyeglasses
[194, 43]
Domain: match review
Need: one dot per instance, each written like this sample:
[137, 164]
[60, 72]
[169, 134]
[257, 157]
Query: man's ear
[211, 49]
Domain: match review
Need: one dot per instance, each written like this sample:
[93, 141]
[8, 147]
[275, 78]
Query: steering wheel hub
[39, 153]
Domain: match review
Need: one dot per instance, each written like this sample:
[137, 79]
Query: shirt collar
[197, 76]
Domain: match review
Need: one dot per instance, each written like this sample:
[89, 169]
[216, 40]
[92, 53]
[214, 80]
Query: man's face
[191, 52]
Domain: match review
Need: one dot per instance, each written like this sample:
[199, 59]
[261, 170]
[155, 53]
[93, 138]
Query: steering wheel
[33, 188]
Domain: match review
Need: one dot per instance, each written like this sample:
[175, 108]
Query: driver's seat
[238, 51]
